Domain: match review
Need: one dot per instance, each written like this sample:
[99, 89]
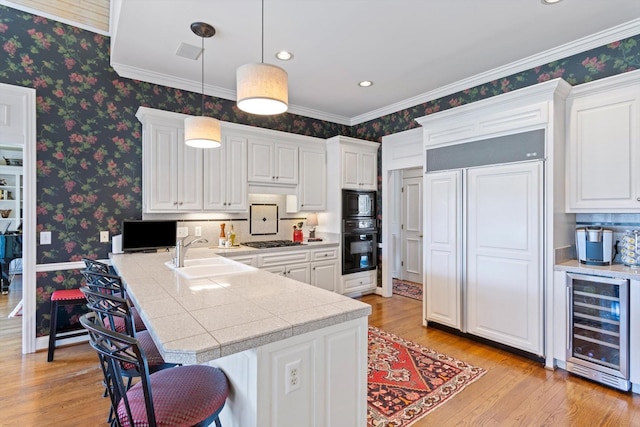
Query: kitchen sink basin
[208, 261]
[198, 271]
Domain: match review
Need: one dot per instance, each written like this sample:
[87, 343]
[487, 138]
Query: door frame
[27, 139]
[416, 174]
[402, 150]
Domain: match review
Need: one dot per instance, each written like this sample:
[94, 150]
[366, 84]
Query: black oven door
[359, 252]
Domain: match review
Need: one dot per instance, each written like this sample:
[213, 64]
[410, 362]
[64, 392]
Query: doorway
[411, 227]
[18, 130]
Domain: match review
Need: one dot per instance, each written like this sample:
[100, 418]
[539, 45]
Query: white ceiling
[413, 50]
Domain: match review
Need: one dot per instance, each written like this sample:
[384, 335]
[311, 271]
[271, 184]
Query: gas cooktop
[271, 244]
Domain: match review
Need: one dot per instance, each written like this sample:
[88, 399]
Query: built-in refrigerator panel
[483, 238]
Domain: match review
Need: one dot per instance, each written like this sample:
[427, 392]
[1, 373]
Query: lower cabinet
[299, 272]
[317, 267]
[359, 283]
[324, 268]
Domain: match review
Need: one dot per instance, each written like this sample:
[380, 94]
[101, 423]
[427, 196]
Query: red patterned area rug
[406, 381]
[407, 289]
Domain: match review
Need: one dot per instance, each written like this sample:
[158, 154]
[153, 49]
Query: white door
[299, 272]
[503, 276]
[190, 193]
[443, 246]
[162, 185]
[312, 189]
[369, 170]
[350, 169]
[261, 161]
[412, 229]
[215, 175]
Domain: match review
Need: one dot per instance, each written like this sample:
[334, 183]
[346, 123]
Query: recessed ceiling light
[365, 83]
[551, 1]
[283, 55]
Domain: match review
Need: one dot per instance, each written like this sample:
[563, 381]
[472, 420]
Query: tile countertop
[194, 321]
[618, 271]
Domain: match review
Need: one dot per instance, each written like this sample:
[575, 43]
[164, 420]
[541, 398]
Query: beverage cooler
[598, 329]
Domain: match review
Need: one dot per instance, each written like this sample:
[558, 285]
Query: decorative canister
[630, 248]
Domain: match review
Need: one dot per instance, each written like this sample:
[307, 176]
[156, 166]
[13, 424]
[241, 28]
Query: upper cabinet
[359, 163]
[603, 173]
[312, 188]
[172, 172]
[272, 162]
[225, 172]
[181, 179]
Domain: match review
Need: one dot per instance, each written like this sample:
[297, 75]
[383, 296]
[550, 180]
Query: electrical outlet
[292, 376]
[45, 237]
[183, 232]
[198, 231]
[104, 237]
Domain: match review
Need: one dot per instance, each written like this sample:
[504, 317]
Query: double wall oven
[359, 231]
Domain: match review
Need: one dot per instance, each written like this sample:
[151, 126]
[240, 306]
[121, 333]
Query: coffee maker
[595, 246]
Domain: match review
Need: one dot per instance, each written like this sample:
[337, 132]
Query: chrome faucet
[181, 250]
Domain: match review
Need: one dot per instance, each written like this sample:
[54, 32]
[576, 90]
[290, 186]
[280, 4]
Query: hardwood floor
[515, 390]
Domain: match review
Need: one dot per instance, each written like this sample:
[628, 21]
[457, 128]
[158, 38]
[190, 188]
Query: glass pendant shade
[262, 89]
[202, 132]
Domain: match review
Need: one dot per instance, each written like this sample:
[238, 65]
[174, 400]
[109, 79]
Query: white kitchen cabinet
[11, 186]
[312, 188]
[359, 167]
[272, 162]
[359, 283]
[299, 272]
[225, 176]
[443, 245]
[293, 264]
[172, 171]
[604, 146]
[324, 268]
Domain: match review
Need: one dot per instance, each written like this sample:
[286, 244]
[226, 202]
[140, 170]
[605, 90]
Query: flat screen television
[148, 235]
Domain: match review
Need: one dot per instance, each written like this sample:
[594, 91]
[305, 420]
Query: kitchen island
[294, 354]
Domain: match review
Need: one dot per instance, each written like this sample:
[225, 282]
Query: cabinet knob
[314, 268]
[326, 254]
[638, 199]
[175, 203]
[180, 203]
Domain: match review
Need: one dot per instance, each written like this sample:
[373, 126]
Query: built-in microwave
[358, 204]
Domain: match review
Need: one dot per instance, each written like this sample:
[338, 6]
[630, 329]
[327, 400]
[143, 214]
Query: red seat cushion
[182, 396]
[154, 358]
[67, 295]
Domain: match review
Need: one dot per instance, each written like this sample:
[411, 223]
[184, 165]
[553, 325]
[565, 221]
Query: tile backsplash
[618, 223]
[241, 222]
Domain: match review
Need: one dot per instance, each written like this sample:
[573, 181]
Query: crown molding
[592, 41]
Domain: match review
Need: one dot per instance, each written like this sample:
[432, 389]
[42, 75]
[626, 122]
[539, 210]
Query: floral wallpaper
[89, 141]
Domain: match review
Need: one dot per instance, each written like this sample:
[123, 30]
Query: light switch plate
[183, 232]
[104, 237]
[45, 237]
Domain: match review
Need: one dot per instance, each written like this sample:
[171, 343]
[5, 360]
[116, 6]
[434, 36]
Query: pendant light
[201, 131]
[262, 88]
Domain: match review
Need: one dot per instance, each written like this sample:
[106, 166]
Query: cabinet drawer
[324, 254]
[279, 258]
[359, 281]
